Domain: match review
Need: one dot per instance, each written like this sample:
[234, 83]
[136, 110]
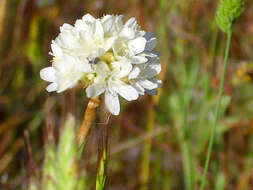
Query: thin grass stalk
[185, 132]
[203, 105]
[187, 165]
[185, 149]
[217, 111]
[145, 162]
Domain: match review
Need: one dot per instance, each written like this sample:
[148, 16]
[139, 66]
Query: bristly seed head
[228, 11]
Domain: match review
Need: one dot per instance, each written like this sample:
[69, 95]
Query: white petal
[151, 41]
[107, 22]
[88, 18]
[137, 45]
[48, 74]
[84, 66]
[126, 91]
[65, 84]
[56, 50]
[139, 88]
[149, 35]
[149, 54]
[152, 70]
[66, 64]
[127, 33]
[118, 21]
[151, 44]
[151, 92]
[147, 84]
[123, 70]
[154, 59]
[52, 87]
[131, 23]
[105, 18]
[94, 90]
[112, 103]
[101, 68]
[66, 27]
[134, 73]
[80, 25]
[98, 30]
[157, 81]
[67, 40]
[109, 43]
[138, 59]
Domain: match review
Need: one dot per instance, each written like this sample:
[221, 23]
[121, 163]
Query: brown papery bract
[88, 119]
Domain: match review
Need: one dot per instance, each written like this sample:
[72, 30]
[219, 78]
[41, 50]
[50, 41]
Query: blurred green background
[157, 142]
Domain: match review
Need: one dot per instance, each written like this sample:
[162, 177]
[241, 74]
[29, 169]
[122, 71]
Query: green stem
[102, 157]
[101, 176]
[187, 165]
[186, 133]
[185, 150]
[217, 111]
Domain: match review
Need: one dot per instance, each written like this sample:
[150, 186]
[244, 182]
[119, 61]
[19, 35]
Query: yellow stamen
[108, 57]
[88, 79]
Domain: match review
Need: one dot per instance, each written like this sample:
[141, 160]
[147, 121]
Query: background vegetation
[155, 143]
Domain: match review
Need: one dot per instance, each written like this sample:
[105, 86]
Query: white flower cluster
[106, 56]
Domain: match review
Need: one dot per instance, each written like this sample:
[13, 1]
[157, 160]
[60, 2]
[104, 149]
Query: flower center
[108, 57]
[88, 79]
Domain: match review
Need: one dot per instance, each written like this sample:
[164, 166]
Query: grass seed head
[228, 11]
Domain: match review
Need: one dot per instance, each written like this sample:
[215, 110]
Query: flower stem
[101, 176]
[217, 111]
[102, 157]
[88, 119]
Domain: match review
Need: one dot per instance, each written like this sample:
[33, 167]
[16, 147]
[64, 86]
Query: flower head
[228, 11]
[106, 56]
